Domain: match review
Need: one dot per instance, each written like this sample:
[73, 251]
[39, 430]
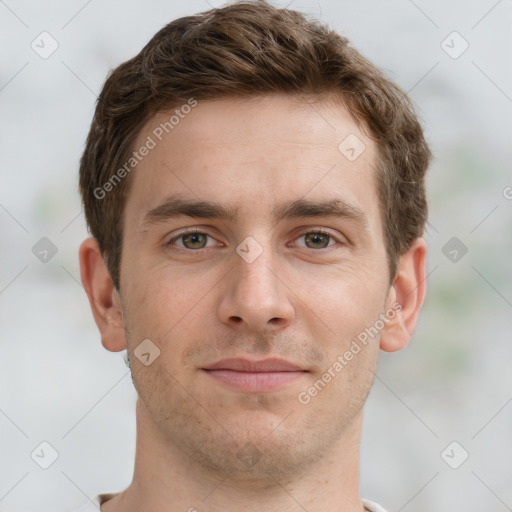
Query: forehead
[253, 154]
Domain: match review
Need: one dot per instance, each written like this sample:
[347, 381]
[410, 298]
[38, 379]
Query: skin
[305, 298]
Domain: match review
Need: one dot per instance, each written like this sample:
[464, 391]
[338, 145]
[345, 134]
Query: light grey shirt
[94, 505]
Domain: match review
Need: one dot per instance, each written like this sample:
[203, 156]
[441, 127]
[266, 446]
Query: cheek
[160, 298]
[344, 298]
[174, 311]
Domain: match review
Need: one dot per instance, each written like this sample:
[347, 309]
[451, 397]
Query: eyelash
[197, 231]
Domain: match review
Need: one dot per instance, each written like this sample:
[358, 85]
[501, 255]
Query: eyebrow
[175, 206]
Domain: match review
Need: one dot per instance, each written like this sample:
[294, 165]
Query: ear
[405, 297]
[103, 297]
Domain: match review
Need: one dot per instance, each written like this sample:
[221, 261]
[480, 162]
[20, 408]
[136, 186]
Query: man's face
[295, 272]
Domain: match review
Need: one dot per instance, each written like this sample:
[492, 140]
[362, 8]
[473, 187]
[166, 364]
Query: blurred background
[438, 423]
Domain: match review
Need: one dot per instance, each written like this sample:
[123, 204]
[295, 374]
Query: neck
[168, 480]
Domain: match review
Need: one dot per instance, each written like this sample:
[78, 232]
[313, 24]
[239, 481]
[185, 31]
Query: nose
[255, 298]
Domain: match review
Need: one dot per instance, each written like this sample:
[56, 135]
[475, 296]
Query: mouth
[255, 376]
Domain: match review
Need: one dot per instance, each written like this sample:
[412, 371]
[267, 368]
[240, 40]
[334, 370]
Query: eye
[317, 240]
[191, 240]
[194, 240]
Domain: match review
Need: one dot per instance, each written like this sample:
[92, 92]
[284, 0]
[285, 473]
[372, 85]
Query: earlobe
[405, 298]
[103, 297]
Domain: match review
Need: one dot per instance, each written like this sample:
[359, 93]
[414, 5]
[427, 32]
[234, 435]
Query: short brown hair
[251, 48]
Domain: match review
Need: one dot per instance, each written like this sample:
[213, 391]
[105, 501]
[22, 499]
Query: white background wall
[453, 383]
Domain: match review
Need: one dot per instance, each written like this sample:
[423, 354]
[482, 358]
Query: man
[255, 192]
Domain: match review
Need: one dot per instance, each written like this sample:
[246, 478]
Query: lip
[255, 376]
[246, 365]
